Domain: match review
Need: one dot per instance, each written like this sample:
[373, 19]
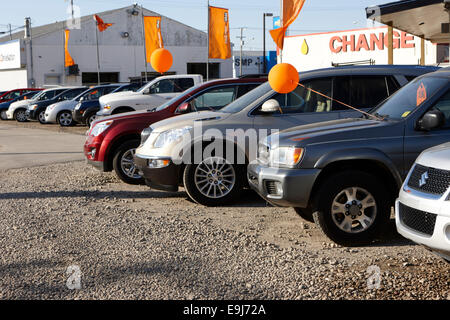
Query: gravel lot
[133, 243]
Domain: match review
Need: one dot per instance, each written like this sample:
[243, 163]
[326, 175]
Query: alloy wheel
[41, 116]
[65, 119]
[128, 166]
[91, 119]
[354, 210]
[215, 177]
[21, 116]
[3, 115]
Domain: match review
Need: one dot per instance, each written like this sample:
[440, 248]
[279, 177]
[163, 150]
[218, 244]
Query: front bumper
[77, 115]
[50, 116]
[10, 114]
[439, 241]
[295, 185]
[165, 179]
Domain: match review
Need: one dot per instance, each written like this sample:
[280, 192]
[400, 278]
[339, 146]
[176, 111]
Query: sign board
[314, 51]
[10, 55]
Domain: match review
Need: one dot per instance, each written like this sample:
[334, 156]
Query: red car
[12, 94]
[111, 142]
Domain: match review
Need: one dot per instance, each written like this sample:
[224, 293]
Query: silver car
[178, 151]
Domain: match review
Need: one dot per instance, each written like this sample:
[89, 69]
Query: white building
[39, 60]
[361, 46]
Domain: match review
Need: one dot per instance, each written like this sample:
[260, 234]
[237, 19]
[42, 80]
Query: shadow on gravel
[391, 238]
[91, 194]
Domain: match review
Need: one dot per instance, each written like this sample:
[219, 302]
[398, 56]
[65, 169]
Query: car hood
[436, 157]
[69, 104]
[328, 131]
[21, 103]
[189, 120]
[125, 116]
[118, 95]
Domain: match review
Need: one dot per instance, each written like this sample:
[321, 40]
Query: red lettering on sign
[333, 48]
[362, 43]
[378, 41]
[346, 43]
[404, 41]
[396, 42]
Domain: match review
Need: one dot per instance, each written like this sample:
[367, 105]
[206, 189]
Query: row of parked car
[338, 167]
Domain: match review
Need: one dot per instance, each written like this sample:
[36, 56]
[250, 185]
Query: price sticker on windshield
[421, 94]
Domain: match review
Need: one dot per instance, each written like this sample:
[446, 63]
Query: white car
[150, 96]
[61, 112]
[18, 109]
[423, 208]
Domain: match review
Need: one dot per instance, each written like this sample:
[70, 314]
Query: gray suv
[258, 112]
[345, 174]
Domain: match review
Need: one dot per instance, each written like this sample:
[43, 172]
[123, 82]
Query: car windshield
[409, 98]
[187, 93]
[247, 98]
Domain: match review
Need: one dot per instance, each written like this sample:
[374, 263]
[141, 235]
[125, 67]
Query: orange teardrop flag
[219, 33]
[291, 10]
[68, 61]
[102, 26]
[153, 36]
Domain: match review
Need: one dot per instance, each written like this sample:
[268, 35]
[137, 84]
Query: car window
[214, 99]
[109, 89]
[392, 84]
[368, 91]
[163, 86]
[443, 105]
[12, 95]
[182, 84]
[409, 98]
[243, 89]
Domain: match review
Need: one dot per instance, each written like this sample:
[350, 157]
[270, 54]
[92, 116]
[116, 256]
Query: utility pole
[242, 44]
[207, 43]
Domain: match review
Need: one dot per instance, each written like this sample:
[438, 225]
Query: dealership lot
[131, 242]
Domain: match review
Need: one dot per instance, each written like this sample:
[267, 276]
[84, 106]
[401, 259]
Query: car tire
[353, 207]
[90, 118]
[123, 159]
[3, 115]
[199, 187]
[305, 213]
[41, 117]
[64, 118]
[20, 115]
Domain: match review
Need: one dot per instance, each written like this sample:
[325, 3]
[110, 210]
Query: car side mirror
[431, 120]
[185, 107]
[270, 106]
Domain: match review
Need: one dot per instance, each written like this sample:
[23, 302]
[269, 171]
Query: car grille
[437, 183]
[420, 221]
[271, 188]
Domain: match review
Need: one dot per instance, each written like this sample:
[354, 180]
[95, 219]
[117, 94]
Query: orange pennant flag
[291, 10]
[219, 33]
[68, 61]
[100, 24]
[153, 36]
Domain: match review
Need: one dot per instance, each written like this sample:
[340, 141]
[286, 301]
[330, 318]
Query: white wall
[13, 79]
[323, 51]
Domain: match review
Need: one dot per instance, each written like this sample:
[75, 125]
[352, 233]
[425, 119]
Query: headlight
[170, 136]
[100, 128]
[78, 106]
[106, 107]
[286, 156]
[50, 108]
[145, 134]
[33, 107]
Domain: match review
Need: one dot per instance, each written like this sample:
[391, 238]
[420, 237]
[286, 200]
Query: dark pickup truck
[347, 173]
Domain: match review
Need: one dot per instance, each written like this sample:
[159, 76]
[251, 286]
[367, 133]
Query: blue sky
[316, 16]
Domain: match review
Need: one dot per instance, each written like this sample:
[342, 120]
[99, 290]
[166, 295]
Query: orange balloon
[161, 60]
[283, 78]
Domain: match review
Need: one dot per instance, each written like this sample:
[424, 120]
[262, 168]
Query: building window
[91, 78]
[200, 68]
